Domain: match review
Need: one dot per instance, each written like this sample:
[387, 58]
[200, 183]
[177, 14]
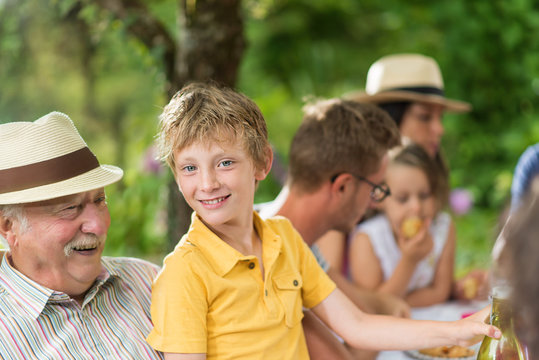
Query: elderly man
[59, 299]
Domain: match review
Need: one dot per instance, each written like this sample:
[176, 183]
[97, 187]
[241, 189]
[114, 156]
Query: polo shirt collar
[223, 257]
[33, 297]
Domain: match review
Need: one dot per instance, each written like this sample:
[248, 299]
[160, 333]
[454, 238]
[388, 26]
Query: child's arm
[177, 332]
[369, 300]
[332, 245]
[367, 270]
[440, 289]
[379, 332]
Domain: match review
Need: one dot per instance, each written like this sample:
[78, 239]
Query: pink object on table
[466, 314]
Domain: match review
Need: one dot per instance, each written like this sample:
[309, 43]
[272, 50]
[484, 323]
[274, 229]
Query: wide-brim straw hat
[407, 77]
[47, 159]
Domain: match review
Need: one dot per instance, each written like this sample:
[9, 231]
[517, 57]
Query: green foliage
[85, 63]
[138, 217]
[495, 47]
[476, 233]
[488, 52]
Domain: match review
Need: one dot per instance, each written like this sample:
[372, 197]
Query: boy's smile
[214, 203]
[218, 181]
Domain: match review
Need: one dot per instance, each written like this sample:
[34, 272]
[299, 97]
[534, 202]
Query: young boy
[235, 285]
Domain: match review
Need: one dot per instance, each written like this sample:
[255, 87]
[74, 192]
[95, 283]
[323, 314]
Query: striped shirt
[113, 322]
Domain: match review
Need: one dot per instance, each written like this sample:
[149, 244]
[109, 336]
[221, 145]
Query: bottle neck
[501, 314]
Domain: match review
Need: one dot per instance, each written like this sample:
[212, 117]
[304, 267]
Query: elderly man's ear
[6, 226]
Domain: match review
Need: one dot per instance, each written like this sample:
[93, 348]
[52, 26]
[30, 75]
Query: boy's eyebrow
[187, 159]
[194, 158]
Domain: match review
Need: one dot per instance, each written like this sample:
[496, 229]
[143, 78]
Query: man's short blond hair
[206, 112]
[338, 136]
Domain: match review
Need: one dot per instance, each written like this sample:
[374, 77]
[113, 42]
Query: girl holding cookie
[408, 249]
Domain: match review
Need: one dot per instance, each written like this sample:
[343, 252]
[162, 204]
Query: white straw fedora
[46, 159]
[407, 77]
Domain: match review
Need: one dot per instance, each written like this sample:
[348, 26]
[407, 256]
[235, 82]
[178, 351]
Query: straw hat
[46, 159]
[407, 77]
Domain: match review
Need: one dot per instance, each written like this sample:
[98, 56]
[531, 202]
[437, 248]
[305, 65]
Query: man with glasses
[337, 163]
[379, 191]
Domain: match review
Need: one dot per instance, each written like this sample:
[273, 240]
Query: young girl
[408, 249]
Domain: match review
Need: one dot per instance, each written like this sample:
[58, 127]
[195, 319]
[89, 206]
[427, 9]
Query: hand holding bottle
[508, 346]
[476, 326]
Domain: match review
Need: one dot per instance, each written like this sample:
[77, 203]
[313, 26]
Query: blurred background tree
[100, 63]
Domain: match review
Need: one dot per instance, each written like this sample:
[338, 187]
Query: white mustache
[86, 241]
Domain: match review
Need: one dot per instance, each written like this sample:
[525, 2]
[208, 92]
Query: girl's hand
[418, 246]
[474, 285]
[389, 304]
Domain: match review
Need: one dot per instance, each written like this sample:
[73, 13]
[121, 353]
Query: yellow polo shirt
[209, 298]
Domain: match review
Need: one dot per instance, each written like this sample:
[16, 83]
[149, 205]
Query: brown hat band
[427, 90]
[47, 172]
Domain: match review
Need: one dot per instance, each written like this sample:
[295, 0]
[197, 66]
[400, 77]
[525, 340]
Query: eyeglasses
[378, 192]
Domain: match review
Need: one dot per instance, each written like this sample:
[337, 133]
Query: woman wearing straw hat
[410, 88]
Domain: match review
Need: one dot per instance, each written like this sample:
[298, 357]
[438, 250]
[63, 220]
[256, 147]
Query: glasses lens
[379, 192]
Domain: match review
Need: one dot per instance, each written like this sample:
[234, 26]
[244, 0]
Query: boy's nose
[209, 181]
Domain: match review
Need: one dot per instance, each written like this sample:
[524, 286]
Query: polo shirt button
[266, 292]
[251, 265]
[295, 283]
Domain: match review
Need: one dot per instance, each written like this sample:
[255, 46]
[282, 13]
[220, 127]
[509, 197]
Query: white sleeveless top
[388, 252]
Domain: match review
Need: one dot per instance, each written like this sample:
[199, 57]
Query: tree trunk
[210, 47]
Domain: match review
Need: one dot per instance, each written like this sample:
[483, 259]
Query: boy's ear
[262, 173]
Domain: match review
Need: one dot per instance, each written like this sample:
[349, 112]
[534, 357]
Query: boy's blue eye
[226, 162]
[189, 168]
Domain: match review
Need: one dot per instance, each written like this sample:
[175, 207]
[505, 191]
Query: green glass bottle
[507, 347]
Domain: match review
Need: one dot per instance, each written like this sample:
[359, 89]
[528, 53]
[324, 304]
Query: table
[448, 311]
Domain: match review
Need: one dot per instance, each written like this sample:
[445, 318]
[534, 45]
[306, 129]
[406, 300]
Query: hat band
[427, 90]
[47, 172]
